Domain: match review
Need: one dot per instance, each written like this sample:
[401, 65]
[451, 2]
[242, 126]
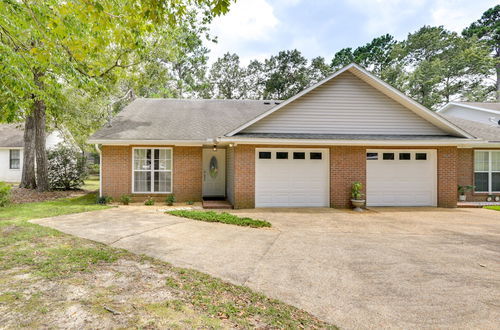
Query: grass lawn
[92, 183]
[52, 280]
[496, 207]
[211, 216]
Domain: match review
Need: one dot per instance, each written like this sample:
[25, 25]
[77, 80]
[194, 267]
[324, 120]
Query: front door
[214, 173]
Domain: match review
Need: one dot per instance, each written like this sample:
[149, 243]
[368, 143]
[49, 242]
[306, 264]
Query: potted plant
[170, 199]
[462, 190]
[357, 196]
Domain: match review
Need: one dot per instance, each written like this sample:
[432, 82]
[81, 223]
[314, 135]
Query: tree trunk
[39, 114]
[42, 179]
[28, 179]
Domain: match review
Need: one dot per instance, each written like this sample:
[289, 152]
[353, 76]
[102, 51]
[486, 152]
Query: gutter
[100, 168]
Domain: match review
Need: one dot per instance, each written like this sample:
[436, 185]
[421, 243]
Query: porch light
[215, 147]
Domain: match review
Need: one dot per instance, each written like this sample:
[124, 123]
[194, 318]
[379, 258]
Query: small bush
[170, 199]
[93, 169]
[66, 168]
[103, 200]
[149, 201]
[4, 194]
[189, 202]
[211, 216]
[125, 199]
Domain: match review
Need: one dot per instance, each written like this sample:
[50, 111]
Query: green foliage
[190, 202]
[356, 191]
[125, 199]
[463, 189]
[104, 200]
[227, 78]
[66, 169]
[149, 201]
[4, 194]
[211, 216]
[170, 199]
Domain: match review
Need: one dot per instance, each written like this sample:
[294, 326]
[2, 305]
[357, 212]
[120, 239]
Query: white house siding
[6, 174]
[230, 174]
[345, 105]
[471, 114]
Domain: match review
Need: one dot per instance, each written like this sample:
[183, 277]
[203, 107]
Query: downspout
[100, 168]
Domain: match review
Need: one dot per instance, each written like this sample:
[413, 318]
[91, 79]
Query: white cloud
[247, 21]
[455, 15]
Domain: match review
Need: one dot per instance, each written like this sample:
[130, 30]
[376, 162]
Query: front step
[217, 205]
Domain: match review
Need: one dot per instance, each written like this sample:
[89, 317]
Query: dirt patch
[22, 195]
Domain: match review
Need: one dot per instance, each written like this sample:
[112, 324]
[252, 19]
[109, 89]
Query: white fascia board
[448, 105]
[440, 142]
[148, 142]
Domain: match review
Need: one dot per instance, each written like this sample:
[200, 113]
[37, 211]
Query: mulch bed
[21, 195]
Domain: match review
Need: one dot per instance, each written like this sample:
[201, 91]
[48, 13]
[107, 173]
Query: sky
[256, 29]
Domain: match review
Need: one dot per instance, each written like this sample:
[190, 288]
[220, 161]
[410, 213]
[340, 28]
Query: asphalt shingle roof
[483, 131]
[172, 119]
[11, 135]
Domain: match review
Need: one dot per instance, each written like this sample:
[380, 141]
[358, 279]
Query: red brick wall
[447, 176]
[347, 165]
[186, 172]
[244, 176]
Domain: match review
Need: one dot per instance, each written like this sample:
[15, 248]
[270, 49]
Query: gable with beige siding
[345, 105]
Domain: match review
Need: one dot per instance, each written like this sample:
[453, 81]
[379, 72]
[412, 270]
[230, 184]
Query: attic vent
[266, 102]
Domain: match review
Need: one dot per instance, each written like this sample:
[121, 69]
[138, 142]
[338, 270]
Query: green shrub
[4, 194]
[189, 202]
[66, 168]
[93, 169]
[170, 199]
[103, 200]
[211, 216]
[149, 201]
[356, 189]
[125, 199]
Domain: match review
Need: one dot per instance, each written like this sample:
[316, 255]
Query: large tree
[227, 78]
[49, 46]
[487, 29]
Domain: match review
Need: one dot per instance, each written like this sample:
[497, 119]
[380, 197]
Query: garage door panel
[292, 182]
[402, 182]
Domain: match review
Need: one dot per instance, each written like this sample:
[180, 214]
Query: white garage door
[401, 178]
[292, 177]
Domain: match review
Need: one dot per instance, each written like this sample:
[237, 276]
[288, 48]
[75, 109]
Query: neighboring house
[11, 150]
[481, 112]
[303, 152]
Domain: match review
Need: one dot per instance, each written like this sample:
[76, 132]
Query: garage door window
[421, 156]
[265, 155]
[388, 156]
[404, 156]
[487, 171]
[372, 155]
[282, 155]
[299, 155]
[316, 155]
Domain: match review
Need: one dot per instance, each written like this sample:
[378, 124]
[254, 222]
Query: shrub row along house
[303, 152]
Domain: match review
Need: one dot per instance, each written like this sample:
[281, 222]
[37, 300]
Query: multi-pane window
[152, 170]
[14, 159]
[487, 171]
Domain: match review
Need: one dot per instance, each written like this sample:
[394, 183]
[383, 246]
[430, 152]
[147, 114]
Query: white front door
[292, 177]
[401, 177]
[214, 172]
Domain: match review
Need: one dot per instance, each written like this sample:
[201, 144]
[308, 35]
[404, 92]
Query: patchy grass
[92, 183]
[494, 207]
[52, 280]
[211, 216]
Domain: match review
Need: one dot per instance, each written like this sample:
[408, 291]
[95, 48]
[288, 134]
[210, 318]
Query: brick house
[302, 152]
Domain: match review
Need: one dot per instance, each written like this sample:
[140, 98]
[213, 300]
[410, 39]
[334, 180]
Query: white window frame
[152, 171]
[490, 172]
[10, 160]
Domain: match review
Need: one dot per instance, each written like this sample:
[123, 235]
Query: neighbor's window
[487, 171]
[14, 159]
[152, 170]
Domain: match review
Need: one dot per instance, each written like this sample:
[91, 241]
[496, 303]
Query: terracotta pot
[358, 204]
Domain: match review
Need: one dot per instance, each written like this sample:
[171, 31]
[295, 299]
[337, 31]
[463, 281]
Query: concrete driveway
[387, 268]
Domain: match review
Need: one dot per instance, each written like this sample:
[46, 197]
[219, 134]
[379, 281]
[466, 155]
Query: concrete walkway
[388, 268]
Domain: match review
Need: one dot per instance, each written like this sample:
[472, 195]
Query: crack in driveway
[143, 232]
[257, 264]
